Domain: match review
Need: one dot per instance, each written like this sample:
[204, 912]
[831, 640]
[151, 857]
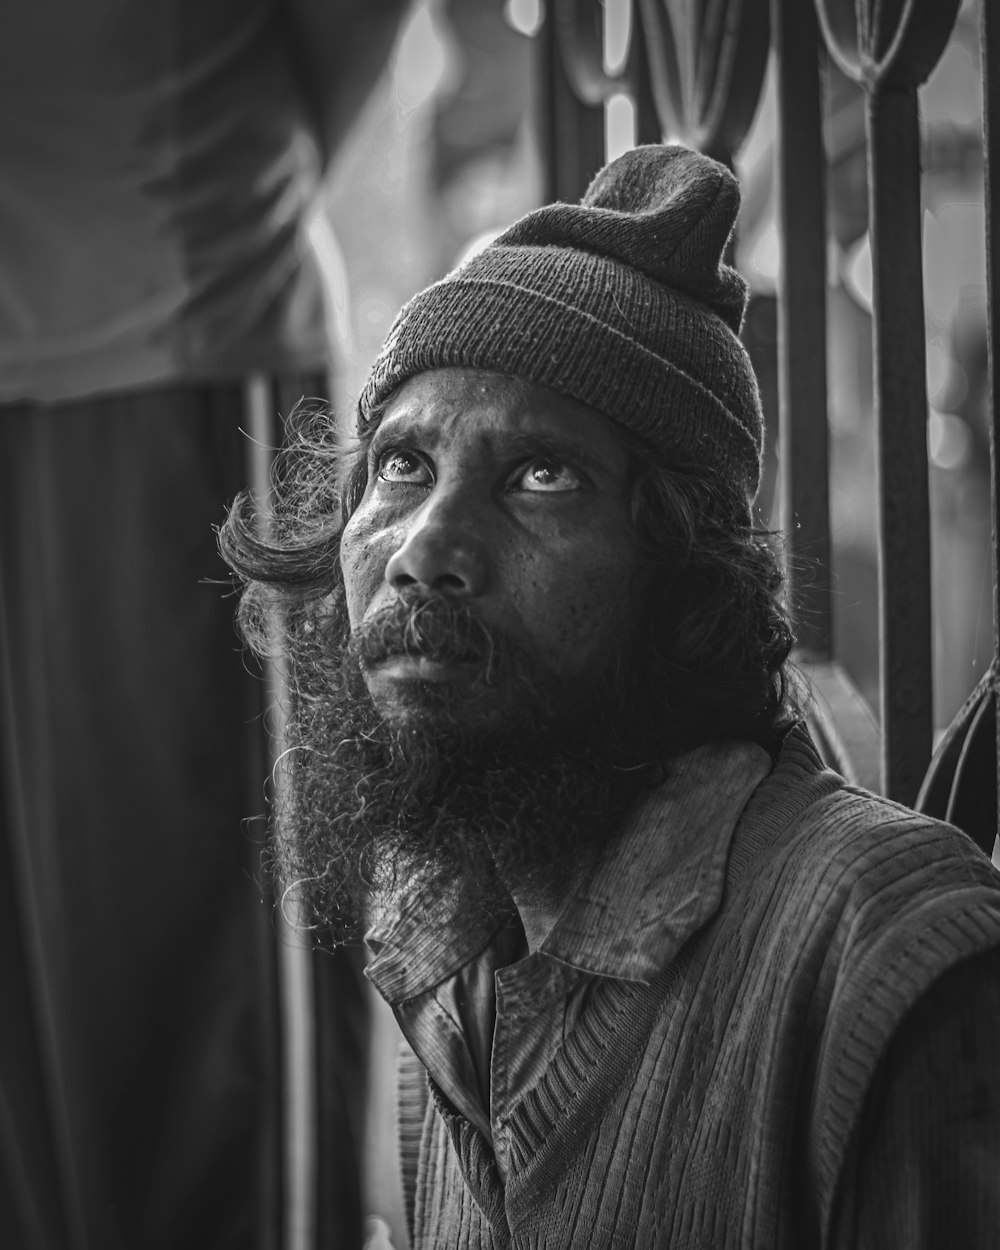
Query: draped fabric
[140, 1047]
[158, 173]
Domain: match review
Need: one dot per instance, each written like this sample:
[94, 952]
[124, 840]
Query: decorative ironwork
[890, 47]
[840, 720]
[801, 219]
[990, 48]
[960, 785]
[707, 60]
[890, 44]
[695, 71]
[963, 781]
[572, 124]
[580, 35]
[695, 68]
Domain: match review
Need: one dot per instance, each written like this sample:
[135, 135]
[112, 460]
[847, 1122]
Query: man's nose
[440, 556]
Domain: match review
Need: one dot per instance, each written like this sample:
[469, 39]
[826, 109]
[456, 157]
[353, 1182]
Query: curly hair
[716, 630]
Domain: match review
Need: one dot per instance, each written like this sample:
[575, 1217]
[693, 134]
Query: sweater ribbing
[716, 1106]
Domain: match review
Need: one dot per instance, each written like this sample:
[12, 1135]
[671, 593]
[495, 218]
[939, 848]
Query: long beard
[433, 799]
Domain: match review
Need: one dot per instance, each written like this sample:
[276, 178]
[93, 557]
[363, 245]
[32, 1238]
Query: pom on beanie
[623, 301]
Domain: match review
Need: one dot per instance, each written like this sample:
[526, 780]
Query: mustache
[432, 628]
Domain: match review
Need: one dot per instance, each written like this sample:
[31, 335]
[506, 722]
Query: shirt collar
[662, 878]
[652, 887]
[419, 939]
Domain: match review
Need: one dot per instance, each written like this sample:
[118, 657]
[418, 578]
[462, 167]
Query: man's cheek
[362, 563]
[590, 611]
[565, 640]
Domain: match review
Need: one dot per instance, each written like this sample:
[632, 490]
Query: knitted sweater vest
[714, 1107]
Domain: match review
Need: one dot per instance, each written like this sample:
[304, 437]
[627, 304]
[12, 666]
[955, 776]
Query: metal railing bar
[647, 120]
[572, 133]
[802, 390]
[901, 438]
[989, 48]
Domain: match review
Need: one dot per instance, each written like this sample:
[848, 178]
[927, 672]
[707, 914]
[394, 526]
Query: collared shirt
[485, 1017]
[818, 1048]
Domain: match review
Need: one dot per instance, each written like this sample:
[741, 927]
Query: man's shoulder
[806, 821]
[868, 902]
[853, 913]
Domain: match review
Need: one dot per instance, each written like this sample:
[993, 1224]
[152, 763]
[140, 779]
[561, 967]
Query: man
[665, 981]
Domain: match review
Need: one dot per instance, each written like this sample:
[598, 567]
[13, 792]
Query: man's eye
[549, 475]
[404, 467]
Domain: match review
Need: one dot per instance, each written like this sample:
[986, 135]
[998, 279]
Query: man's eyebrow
[402, 425]
[548, 443]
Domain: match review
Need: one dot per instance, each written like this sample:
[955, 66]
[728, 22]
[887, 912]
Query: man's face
[504, 498]
[483, 724]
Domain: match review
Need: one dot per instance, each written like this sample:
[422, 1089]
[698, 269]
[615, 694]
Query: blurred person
[159, 165]
[664, 979]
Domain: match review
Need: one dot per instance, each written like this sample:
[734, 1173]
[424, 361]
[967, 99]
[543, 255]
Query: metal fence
[694, 72]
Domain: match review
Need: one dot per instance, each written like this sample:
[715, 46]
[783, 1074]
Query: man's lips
[403, 667]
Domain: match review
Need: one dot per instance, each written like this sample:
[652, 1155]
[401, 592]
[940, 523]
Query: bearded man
[664, 979]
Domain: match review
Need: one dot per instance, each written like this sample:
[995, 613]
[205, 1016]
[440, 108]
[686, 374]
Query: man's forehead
[443, 404]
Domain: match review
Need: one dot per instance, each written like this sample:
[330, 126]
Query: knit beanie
[623, 302]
